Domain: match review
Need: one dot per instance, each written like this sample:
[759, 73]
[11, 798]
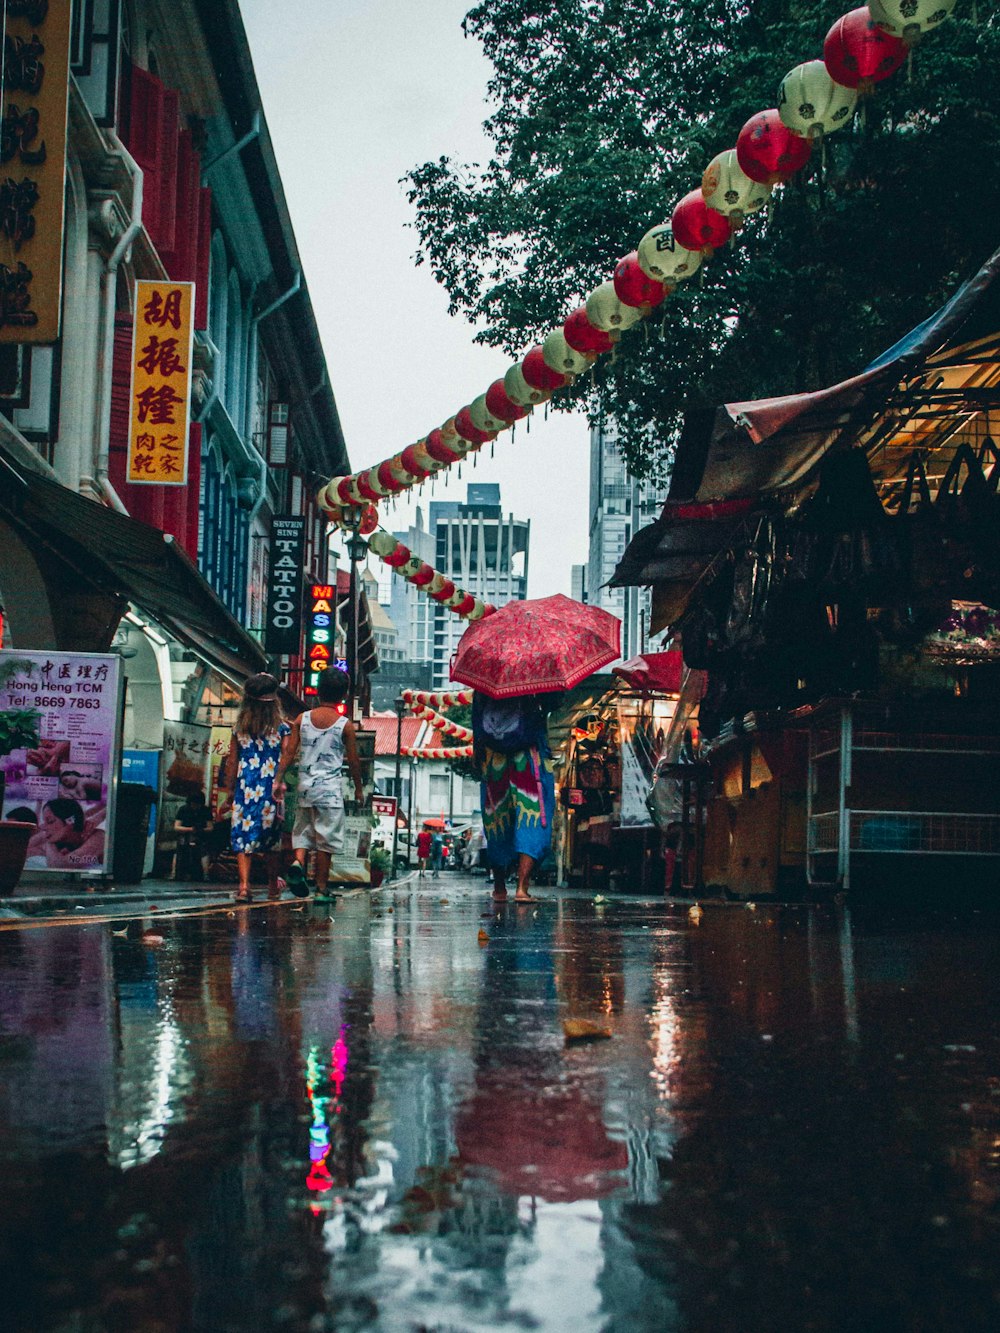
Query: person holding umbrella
[510, 749]
[517, 659]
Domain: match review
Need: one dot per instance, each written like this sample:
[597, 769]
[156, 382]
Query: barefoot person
[511, 750]
[250, 779]
[322, 739]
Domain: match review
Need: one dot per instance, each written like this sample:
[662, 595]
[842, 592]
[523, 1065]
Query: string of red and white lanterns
[446, 752]
[441, 723]
[441, 701]
[816, 98]
[424, 576]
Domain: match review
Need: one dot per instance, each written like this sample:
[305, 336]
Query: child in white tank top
[322, 739]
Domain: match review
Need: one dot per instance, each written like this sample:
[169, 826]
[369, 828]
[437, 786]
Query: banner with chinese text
[32, 183]
[60, 719]
[161, 383]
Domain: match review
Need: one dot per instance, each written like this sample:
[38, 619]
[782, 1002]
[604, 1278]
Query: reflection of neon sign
[318, 1179]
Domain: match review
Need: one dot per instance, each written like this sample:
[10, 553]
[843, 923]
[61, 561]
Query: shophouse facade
[170, 176]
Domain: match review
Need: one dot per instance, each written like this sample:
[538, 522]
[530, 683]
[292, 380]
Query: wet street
[368, 1117]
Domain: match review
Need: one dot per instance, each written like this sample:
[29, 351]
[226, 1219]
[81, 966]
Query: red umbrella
[653, 673]
[536, 647]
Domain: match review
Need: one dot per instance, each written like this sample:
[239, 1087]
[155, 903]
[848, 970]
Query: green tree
[606, 112]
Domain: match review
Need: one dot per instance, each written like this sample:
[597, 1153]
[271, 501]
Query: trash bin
[135, 800]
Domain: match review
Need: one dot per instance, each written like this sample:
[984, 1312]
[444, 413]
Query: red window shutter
[146, 132]
[203, 254]
[180, 260]
[166, 170]
[121, 383]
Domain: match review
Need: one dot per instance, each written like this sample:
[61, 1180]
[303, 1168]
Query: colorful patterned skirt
[519, 801]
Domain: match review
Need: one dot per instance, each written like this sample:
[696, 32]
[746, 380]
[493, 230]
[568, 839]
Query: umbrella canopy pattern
[536, 647]
[653, 673]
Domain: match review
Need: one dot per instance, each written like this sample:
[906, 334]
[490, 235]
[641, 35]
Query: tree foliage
[605, 112]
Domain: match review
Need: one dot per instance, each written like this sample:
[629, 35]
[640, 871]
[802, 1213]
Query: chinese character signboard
[59, 720]
[283, 626]
[32, 175]
[161, 383]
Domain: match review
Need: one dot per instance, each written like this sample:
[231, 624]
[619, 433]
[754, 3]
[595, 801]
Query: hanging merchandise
[728, 190]
[908, 19]
[811, 103]
[583, 336]
[605, 311]
[635, 287]
[768, 151]
[699, 227]
[660, 257]
[859, 54]
[561, 357]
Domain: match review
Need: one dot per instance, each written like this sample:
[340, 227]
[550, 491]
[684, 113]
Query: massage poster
[60, 717]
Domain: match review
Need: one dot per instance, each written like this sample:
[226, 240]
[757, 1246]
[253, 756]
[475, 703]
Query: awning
[109, 553]
[653, 673]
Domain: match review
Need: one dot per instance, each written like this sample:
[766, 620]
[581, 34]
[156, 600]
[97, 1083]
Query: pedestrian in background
[510, 748]
[249, 778]
[437, 854]
[423, 850]
[322, 739]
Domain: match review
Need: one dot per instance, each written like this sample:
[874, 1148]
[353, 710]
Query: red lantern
[412, 464]
[447, 590]
[423, 575]
[768, 151]
[540, 375]
[369, 520]
[365, 488]
[698, 227]
[387, 480]
[858, 53]
[500, 406]
[465, 605]
[583, 337]
[465, 428]
[438, 450]
[345, 489]
[397, 557]
[633, 287]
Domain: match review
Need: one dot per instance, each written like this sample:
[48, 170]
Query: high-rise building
[619, 506]
[408, 607]
[578, 583]
[480, 550]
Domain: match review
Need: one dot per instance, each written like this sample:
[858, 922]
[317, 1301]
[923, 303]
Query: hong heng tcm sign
[33, 170]
[161, 383]
[283, 628]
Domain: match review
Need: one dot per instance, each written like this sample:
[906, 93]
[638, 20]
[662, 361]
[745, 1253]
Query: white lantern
[558, 355]
[483, 418]
[662, 258]
[519, 391]
[459, 595]
[605, 311]
[909, 18]
[811, 103]
[382, 543]
[327, 497]
[727, 188]
[477, 612]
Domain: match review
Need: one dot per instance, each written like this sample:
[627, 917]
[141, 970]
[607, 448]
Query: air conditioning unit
[277, 435]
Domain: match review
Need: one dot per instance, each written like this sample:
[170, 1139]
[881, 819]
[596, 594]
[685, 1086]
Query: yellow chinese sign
[32, 177]
[161, 383]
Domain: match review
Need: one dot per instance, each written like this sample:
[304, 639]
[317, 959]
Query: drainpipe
[106, 327]
[255, 321]
[236, 147]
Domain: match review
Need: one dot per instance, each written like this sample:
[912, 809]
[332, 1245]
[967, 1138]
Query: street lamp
[357, 549]
[400, 707]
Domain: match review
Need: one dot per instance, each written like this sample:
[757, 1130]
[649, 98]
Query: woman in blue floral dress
[254, 752]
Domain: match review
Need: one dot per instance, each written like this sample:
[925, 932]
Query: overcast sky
[368, 89]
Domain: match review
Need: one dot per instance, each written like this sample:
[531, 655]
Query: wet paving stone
[346, 1117]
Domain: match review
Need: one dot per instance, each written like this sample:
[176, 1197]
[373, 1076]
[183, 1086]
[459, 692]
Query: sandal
[243, 896]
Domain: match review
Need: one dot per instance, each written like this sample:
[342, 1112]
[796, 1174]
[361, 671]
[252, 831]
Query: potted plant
[18, 731]
[381, 862]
